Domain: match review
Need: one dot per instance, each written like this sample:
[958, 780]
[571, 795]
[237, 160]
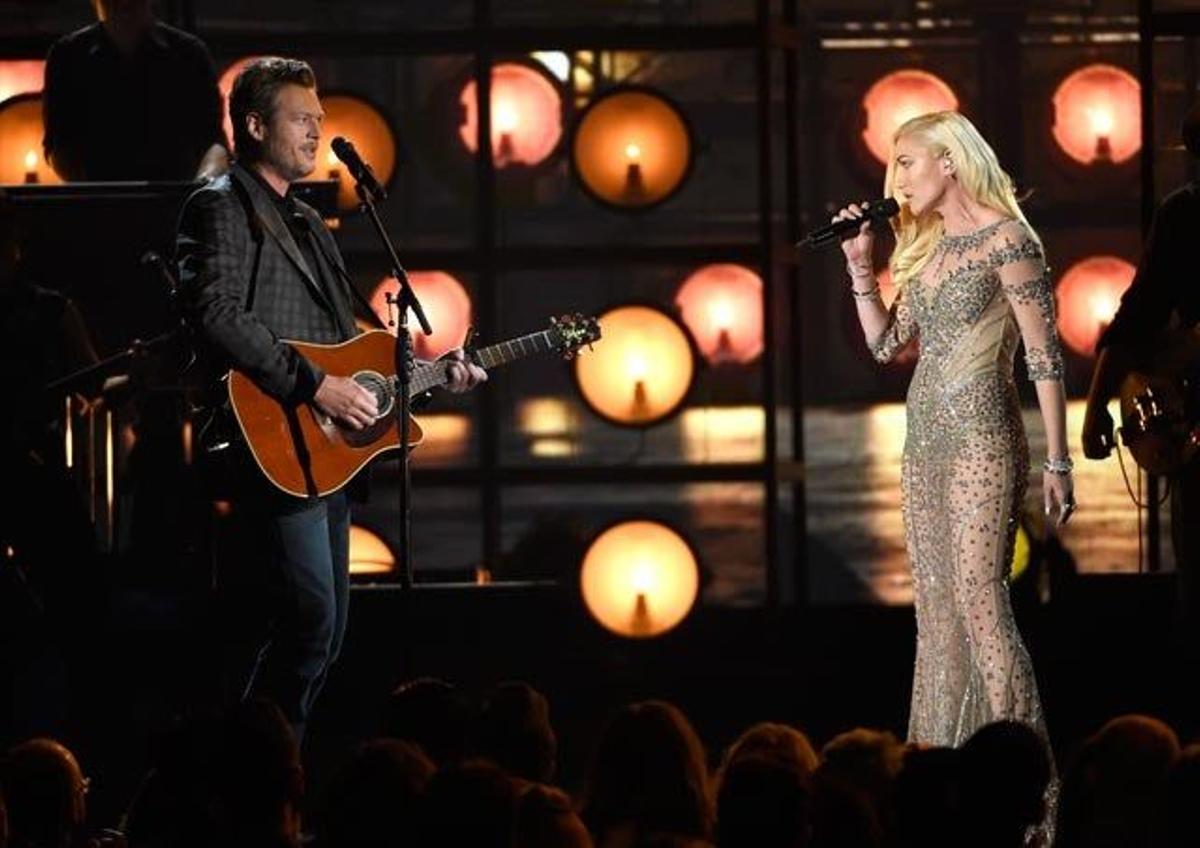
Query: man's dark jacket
[246, 285]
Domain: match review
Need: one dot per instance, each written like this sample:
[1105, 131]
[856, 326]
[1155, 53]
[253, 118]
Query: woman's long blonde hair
[978, 172]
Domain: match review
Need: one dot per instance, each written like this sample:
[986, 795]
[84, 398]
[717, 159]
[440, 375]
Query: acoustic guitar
[304, 452]
[1158, 405]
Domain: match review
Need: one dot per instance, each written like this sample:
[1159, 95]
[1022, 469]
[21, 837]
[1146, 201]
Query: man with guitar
[1163, 289]
[256, 267]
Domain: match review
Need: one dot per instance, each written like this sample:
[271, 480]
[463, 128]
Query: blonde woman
[973, 284]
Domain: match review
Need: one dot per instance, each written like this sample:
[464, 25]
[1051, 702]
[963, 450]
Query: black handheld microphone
[359, 169]
[874, 212]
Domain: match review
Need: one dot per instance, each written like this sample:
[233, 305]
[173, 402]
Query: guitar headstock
[573, 332]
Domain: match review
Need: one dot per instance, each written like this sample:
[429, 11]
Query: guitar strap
[364, 304]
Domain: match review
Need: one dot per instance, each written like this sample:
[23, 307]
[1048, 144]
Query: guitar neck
[433, 375]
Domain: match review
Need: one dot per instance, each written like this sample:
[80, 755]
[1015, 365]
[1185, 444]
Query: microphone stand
[403, 300]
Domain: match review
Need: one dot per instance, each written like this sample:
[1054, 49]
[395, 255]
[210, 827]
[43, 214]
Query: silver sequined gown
[966, 463]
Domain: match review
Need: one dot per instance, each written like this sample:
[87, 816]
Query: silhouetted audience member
[431, 713]
[842, 817]
[45, 791]
[1005, 770]
[648, 777]
[763, 802]
[174, 806]
[1182, 821]
[472, 803]
[776, 741]
[259, 782]
[927, 794]
[866, 762]
[374, 799]
[1112, 793]
[546, 818]
[514, 732]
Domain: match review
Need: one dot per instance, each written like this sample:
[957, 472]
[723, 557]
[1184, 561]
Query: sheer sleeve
[900, 330]
[1025, 279]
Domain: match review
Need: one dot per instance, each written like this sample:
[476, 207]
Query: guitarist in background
[1165, 286]
[256, 266]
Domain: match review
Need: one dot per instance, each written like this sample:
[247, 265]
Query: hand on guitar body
[344, 400]
[347, 402]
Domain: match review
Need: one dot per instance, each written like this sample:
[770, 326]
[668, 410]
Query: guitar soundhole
[379, 386]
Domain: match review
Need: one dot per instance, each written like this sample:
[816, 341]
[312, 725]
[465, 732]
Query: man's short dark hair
[254, 90]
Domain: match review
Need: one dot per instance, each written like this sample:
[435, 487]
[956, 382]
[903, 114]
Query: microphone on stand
[359, 169]
[874, 212]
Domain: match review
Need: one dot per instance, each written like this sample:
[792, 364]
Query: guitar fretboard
[433, 375]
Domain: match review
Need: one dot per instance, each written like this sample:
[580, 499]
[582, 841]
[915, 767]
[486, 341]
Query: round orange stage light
[369, 554]
[21, 76]
[367, 129]
[21, 132]
[722, 306]
[1088, 297]
[1098, 115]
[527, 115]
[639, 579]
[632, 148]
[446, 303]
[896, 98]
[641, 369]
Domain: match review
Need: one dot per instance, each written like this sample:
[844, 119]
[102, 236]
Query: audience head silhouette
[1005, 770]
[374, 799]
[649, 775]
[45, 792]
[1112, 790]
[472, 803]
[431, 713]
[259, 782]
[514, 732]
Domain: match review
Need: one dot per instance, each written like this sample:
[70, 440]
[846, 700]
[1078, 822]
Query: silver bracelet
[1061, 465]
[865, 295]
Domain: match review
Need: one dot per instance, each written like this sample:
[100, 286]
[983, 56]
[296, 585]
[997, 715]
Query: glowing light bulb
[1104, 308]
[507, 117]
[721, 313]
[635, 187]
[642, 577]
[1101, 120]
[31, 161]
[637, 366]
